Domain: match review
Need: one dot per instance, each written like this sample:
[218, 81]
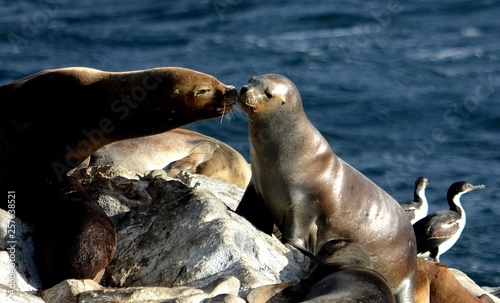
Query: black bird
[418, 208]
[439, 231]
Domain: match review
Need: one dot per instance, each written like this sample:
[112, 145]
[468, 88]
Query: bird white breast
[448, 244]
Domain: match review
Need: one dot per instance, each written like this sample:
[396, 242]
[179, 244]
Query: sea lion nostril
[243, 89]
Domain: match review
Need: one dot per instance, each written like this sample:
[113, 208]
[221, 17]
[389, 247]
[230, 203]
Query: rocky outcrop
[179, 240]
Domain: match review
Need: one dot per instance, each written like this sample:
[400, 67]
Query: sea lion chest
[291, 167]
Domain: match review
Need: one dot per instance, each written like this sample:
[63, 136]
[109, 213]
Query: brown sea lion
[313, 195]
[444, 287]
[53, 120]
[175, 151]
[422, 285]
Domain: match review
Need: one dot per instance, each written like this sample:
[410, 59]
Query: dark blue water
[399, 88]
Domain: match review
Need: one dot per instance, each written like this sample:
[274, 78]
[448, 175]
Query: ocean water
[400, 89]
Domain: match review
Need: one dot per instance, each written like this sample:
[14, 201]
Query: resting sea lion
[443, 287]
[344, 274]
[175, 151]
[53, 120]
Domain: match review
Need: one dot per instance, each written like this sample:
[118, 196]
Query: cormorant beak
[476, 187]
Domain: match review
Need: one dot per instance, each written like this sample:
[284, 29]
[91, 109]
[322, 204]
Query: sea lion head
[202, 95]
[267, 93]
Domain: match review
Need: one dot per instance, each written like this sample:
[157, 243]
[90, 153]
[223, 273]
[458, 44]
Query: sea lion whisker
[234, 113]
[237, 111]
[223, 111]
[230, 115]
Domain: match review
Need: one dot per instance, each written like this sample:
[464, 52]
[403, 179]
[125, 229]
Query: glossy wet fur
[311, 194]
[53, 120]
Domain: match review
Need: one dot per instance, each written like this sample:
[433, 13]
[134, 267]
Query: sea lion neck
[278, 127]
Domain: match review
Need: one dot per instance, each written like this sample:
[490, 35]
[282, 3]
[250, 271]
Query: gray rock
[187, 236]
[18, 270]
[9, 295]
[79, 291]
[178, 240]
[470, 285]
[68, 290]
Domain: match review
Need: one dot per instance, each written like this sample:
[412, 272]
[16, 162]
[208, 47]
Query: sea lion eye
[268, 94]
[202, 91]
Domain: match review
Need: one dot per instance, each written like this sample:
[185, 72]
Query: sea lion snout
[243, 89]
[248, 101]
[230, 95]
[231, 91]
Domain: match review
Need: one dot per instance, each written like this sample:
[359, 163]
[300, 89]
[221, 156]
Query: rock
[66, 291]
[188, 237]
[471, 286]
[179, 240]
[74, 291]
[9, 295]
[17, 255]
[492, 290]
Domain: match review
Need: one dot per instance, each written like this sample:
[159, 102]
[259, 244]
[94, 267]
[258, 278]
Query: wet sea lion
[175, 151]
[53, 120]
[344, 274]
[313, 195]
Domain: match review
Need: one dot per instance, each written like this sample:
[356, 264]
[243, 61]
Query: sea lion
[311, 194]
[422, 285]
[175, 151]
[444, 286]
[344, 274]
[53, 120]
[79, 241]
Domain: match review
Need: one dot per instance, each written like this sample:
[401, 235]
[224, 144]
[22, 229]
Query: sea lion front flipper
[252, 207]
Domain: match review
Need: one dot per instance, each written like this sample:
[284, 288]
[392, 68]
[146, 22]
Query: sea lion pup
[53, 120]
[175, 151]
[344, 274]
[311, 194]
